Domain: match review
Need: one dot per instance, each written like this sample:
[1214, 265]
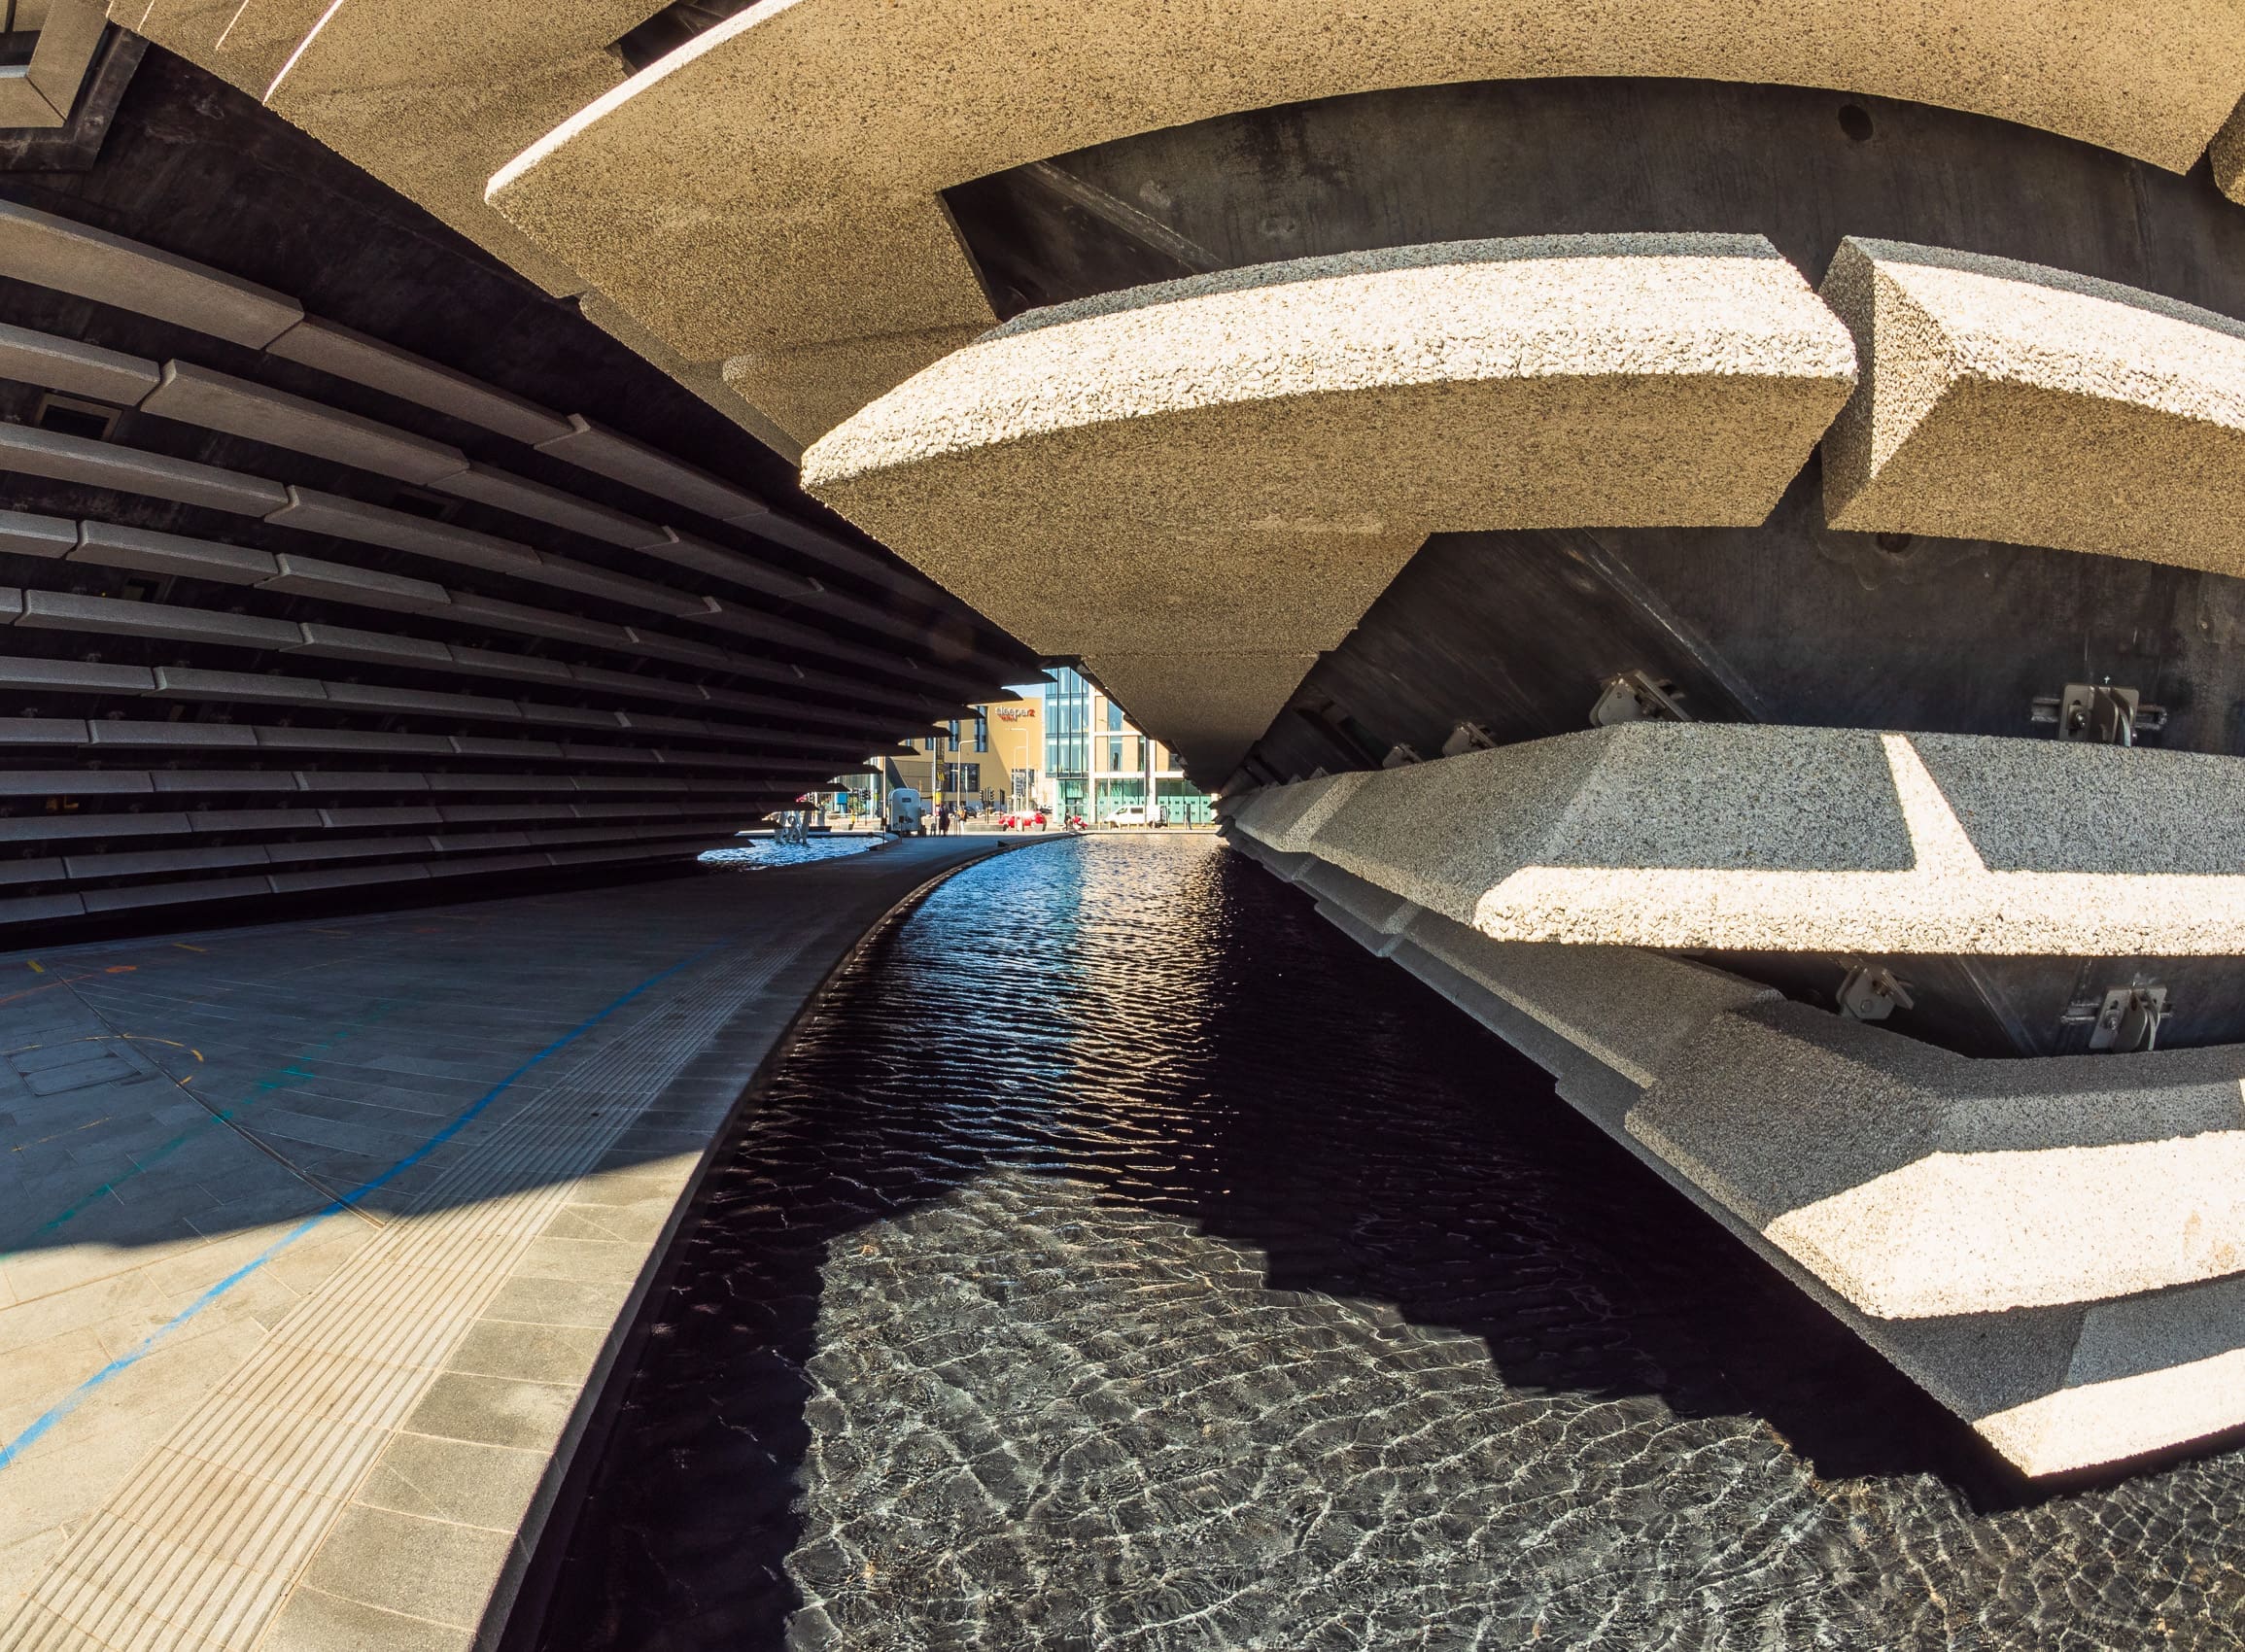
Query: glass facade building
[1068, 739]
[1095, 760]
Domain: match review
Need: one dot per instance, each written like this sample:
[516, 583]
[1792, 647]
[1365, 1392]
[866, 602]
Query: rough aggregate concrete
[1241, 461]
[860, 113]
[1737, 837]
[2012, 402]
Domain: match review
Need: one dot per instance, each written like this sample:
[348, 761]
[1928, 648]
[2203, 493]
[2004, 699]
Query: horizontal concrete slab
[1243, 460]
[335, 349]
[67, 364]
[48, 251]
[2030, 405]
[1742, 837]
[221, 402]
[859, 116]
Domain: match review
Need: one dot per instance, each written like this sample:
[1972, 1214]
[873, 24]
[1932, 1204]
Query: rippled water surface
[1122, 1259]
[760, 854]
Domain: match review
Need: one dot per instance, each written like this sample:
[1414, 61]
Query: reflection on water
[757, 854]
[1124, 1259]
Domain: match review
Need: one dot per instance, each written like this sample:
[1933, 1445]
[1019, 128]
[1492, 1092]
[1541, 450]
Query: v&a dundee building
[1695, 544]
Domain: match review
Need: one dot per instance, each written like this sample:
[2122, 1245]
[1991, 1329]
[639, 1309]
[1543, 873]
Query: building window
[981, 731]
[1114, 757]
[1114, 717]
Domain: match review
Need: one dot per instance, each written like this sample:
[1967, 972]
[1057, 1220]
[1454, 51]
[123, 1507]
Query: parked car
[1134, 815]
[1022, 821]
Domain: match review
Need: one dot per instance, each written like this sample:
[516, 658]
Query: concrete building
[1705, 533]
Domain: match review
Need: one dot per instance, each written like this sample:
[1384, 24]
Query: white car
[1133, 817]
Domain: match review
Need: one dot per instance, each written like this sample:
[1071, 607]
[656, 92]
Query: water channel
[1122, 1259]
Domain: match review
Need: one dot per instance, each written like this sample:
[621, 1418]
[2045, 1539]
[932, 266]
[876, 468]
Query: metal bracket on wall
[1467, 737]
[1870, 993]
[2100, 713]
[1638, 697]
[2126, 1020]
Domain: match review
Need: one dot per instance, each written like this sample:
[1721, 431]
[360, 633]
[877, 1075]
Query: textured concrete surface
[2047, 1247]
[1209, 707]
[2226, 154]
[2010, 401]
[1737, 838]
[1958, 1186]
[859, 114]
[1247, 457]
[429, 97]
[320, 1235]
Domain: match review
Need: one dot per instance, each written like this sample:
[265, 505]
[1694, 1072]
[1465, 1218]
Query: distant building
[1095, 759]
[990, 760]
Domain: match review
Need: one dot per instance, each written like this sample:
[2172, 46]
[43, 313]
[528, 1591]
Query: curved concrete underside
[2049, 1247]
[299, 1339]
[1239, 464]
[1740, 838]
[832, 270]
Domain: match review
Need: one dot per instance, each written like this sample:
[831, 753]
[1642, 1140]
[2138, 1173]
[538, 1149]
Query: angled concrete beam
[2047, 1247]
[60, 458]
[605, 452]
[1745, 838]
[221, 402]
[2010, 401]
[62, 610]
[69, 33]
[502, 490]
[335, 349]
[81, 369]
[859, 114]
[314, 512]
[139, 548]
[48, 251]
[23, 535]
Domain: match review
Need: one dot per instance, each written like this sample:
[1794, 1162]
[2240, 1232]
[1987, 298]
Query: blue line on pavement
[78, 1396]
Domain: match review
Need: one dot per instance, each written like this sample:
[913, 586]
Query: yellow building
[991, 760]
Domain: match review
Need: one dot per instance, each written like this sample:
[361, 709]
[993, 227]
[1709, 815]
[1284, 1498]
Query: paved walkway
[314, 1236]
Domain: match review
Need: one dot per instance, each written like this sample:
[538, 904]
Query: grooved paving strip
[353, 1359]
[446, 1312]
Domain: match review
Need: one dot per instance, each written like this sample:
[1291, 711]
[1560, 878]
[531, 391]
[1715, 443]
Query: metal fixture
[1468, 737]
[1871, 993]
[2126, 1020]
[2099, 712]
[1400, 756]
[1638, 697]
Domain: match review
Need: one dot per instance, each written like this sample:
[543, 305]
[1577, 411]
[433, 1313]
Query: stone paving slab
[316, 1239]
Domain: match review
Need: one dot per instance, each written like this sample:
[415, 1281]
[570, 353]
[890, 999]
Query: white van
[1133, 815]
